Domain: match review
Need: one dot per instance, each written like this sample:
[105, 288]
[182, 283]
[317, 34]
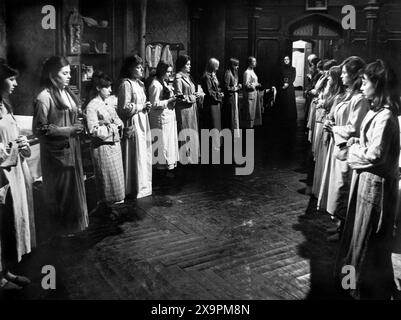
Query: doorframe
[315, 19]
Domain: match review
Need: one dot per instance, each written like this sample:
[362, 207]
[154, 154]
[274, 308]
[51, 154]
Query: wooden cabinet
[91, 39]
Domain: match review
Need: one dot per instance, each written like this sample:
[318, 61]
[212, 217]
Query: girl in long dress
[162, 117]
[321, 89]
[315, 95]
[137, 141]
[231, 89]
[17, 224]
[367, 241]
[333, 94]
[105, 127]
[186, 109]
[252, 106]
[56, 123]
[347, 119]
[312, 79]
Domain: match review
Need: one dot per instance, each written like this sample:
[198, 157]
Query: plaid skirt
[109, 172]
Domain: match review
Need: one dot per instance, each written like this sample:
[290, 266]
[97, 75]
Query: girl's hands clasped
[328, 125]
[147, 106]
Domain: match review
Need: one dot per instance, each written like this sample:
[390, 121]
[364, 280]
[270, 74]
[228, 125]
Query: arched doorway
[314, 33]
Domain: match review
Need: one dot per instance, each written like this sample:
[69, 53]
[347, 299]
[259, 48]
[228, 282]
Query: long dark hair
[336, 90]
[161, 70]
[51, 68]
[354, 66]
[234, 63]
[329, 64]
[320, 64]
[325, 65]
[6, 72]
[378, 74]
[323, 82]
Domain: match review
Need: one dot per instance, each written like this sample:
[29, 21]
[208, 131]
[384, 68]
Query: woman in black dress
[287, 108]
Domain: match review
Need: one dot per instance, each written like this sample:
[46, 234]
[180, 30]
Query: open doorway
[315, 33]
[300, 51]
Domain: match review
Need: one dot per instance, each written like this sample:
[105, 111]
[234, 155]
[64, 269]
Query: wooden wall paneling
[358, 48]
[194, 46]
[28, 44]
[291, 15]
[212, 38]
[268, 57]
[391, 20]
[129, 31]
[254, 14]
[237, 18]
[361, 23]
[121, 27]
[237, 47]
[269, 20]
[372, 11]
[3, 42]
[389, 51]
[389, 48]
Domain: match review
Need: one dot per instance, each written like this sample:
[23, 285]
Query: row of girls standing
[356, 172]
[120, 129]
[168, 109]
[57, 124]
[134, 122]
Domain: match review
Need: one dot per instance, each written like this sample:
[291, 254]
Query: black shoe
[301, 170]
[334, 237]
[307, 216]
[18, 280]
[305, 191]
[8, 285]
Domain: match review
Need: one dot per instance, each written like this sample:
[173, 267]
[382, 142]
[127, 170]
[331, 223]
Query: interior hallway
[207, 234]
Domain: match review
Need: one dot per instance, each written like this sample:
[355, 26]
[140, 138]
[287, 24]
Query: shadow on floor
[320, 252]
[59, 252]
